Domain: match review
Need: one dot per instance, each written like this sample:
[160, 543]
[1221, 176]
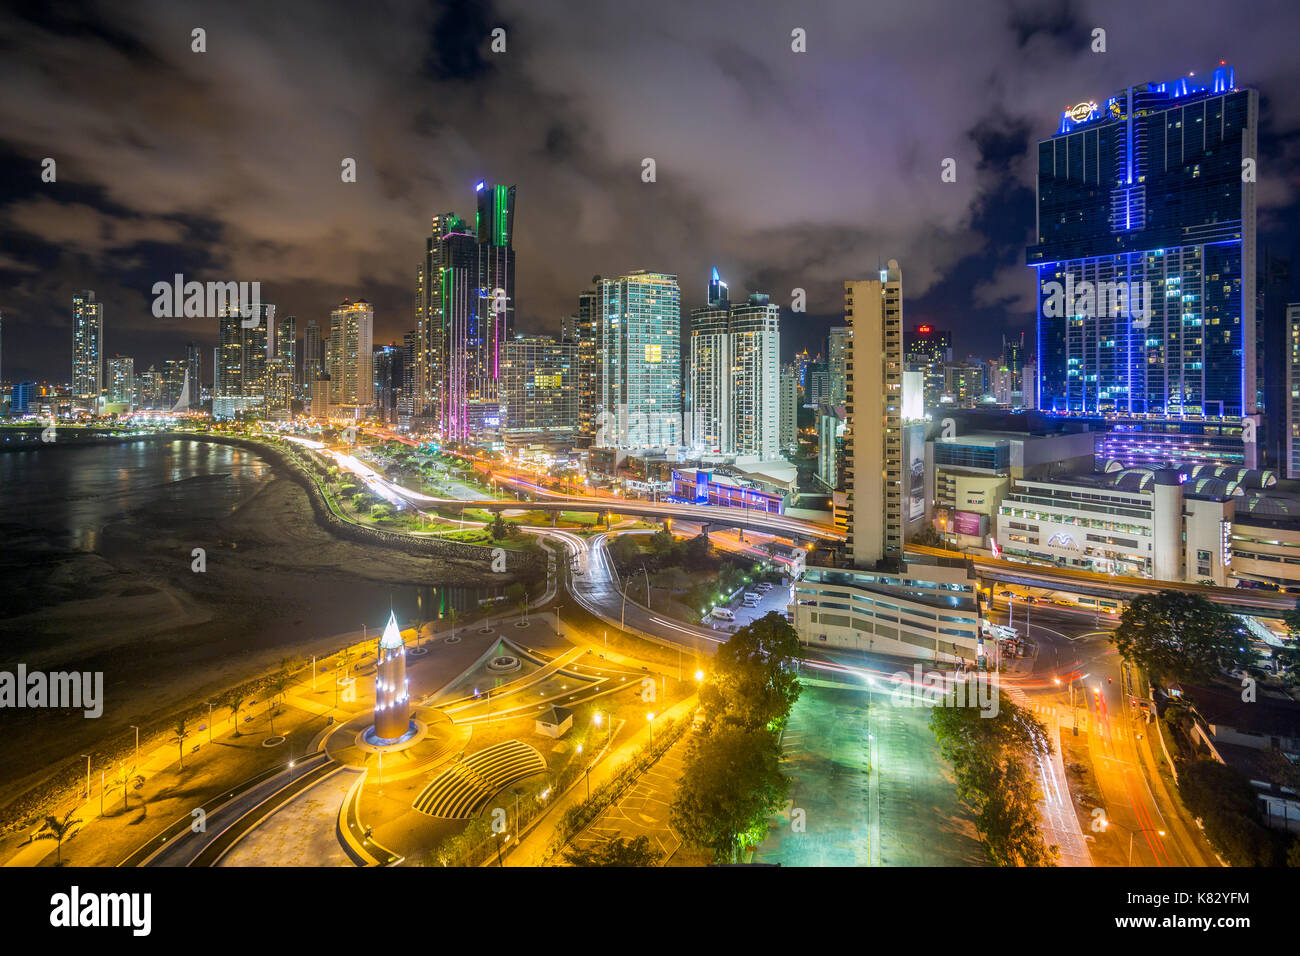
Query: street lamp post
[137, 744]
[209, 721]
[87, 756]
[622, 618]
[651, 718]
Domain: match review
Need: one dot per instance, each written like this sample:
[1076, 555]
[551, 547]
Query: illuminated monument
[392, 695]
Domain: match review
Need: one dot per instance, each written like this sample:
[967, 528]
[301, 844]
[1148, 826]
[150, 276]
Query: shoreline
[279, 582]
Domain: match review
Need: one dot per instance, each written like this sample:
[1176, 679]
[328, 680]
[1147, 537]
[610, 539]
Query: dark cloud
[784, 169]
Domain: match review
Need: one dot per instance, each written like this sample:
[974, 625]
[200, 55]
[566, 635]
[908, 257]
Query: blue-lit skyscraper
[1145, 265]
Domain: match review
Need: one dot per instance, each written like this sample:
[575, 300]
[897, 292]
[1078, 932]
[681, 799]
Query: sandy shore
[276, 585]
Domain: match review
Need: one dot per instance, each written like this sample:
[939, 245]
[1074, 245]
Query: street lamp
[87, 756]
[137, 744]
[651, 718]
[1131, 834]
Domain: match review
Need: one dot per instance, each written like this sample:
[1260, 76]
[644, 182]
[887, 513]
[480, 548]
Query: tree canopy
[616, 852]
[1178, 636]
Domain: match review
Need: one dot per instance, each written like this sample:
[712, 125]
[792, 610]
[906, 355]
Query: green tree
[517, 594]
[1228, 808]
[991, 757]
[625, 551]
[58, 829]
[731, 783]
[753, 684]
[662, 542]
[499, 528]
[179, 734]
[616, 852]
[697, 555]
[1178, 636]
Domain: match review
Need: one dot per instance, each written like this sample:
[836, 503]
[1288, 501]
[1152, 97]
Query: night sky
[783, 169]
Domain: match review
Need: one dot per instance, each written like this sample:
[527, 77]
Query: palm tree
[127, 778]
[58, 829]
[179, 733]
[279, 684]
[235, 699]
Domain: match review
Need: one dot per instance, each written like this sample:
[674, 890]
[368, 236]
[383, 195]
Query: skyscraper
[350, 355]
[789, 421]
[412, 343]
[241, 358]
[640, 397]
[873, 442]
[388, 381]
[194, 365]
[927, 350]
[836, 344]
[538, 393]
[429, 369]
[1013, 358]
[1293, 390]
[735, 375]
[284, 346]
[469, 371]
[711, 371]
[313, 353]
[1145, 268]
[581, 329]
[87, 348]
[121, 381]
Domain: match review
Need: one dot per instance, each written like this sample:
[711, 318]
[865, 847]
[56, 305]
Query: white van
[722, 614]
[751, 596]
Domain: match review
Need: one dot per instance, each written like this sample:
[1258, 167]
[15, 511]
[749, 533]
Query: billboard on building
[968, 522]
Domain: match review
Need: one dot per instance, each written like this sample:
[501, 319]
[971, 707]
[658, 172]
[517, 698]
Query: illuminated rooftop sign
[1081, 111]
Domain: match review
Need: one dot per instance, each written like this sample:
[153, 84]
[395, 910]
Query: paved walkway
[301, 833]
[532, 849]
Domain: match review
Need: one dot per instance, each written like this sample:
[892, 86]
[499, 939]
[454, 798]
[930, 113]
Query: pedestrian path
[1058, 820]
[461, 791]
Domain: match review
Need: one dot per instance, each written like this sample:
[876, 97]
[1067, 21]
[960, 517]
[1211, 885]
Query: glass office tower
[1145, 265]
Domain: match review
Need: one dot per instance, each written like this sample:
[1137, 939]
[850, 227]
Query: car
[752, 596]
[765, 587]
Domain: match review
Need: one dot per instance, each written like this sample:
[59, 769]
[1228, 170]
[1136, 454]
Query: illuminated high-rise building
[538, 393]
[121, 382]
[429, 365]
[313, 352]
[241, 357]
[927, 350]
[837, 344]
[640, 387]
[581, 328]
[735, 375]
[789, 417]
[1145, 268]
[350, 356]
[873, 439]
[87, 348]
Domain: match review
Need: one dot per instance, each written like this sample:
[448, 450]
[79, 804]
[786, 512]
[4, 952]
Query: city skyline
[963, 241]
[725, 434]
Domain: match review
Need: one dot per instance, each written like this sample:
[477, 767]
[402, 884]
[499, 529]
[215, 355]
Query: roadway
[1076, 663]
